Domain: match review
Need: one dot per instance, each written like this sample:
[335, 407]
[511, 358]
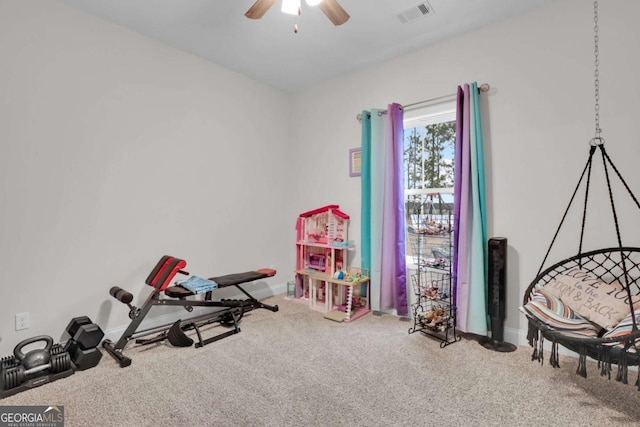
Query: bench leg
[236, 314]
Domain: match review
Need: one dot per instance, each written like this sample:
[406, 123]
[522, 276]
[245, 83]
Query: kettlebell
[37, 357]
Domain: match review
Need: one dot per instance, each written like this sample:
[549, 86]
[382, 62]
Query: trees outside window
[429, 146]
[428, 168]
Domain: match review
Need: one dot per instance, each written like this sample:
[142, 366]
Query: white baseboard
[515, 336]
[519, 337]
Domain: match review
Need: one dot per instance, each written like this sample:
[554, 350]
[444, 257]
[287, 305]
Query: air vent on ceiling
[416, 12]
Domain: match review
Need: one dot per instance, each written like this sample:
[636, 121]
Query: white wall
[537, 123]
[116, 150]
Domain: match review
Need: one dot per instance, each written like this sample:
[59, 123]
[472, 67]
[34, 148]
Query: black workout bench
[229, 314]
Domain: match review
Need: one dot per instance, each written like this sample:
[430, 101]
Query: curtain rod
[482, 88]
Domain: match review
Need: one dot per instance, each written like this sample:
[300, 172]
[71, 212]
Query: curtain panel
[469, 264]
[382, 209]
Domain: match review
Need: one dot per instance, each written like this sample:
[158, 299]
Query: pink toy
[324, 280]
[317, 262]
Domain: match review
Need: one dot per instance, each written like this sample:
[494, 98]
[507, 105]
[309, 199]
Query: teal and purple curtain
[470, 235]
[383, 221]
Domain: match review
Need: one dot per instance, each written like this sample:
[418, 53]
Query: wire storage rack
[434, 311]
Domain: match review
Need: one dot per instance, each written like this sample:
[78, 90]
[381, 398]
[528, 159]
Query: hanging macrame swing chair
[550, 304]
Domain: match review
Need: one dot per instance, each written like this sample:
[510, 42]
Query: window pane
[428, 156]
[428, 183]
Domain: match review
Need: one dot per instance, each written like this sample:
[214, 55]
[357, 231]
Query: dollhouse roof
[335, 209]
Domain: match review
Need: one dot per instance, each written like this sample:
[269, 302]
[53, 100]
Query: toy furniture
[229, 312]
[323, 279]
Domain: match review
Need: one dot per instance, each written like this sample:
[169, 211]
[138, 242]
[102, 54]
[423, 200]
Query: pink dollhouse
[323, 279]
[323, 225]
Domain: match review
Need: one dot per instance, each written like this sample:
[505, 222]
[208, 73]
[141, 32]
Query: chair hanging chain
[597, 140]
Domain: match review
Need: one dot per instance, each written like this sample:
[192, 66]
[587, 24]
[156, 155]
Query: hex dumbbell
[84, 332]
[83, 358]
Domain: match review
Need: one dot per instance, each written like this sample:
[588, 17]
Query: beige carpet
[295, 368]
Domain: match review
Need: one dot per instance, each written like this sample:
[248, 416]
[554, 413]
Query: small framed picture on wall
[355, 162]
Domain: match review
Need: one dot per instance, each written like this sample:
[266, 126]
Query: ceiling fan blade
[259, 8]
[334, 11]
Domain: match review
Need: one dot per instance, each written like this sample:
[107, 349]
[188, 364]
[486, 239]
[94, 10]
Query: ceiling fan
[331, 8]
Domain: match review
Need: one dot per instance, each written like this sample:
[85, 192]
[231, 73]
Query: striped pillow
[550, 310]
[591, 297]
[623, 328]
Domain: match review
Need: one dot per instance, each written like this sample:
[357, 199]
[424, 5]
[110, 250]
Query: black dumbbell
[83, 358]
[75, 324]
[84, 332]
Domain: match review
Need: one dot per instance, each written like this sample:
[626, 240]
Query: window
[429, 144]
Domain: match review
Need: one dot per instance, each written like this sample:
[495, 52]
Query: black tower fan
[496, 283]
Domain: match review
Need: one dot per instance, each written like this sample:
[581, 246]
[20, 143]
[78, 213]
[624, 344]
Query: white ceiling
[268, 50]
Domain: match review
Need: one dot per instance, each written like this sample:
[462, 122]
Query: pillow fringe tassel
[554, 359]
[623, 368]
[540, 352]
[604, 361]
[533, 336]
[582, 361]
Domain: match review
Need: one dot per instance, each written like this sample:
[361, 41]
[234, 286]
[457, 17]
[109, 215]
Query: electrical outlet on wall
[22, 321]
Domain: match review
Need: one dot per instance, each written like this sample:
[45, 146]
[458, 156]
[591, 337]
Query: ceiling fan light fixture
[291, 7]
[313, 2]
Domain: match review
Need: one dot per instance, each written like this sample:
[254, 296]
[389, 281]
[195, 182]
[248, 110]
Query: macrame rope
[604, 361]
[615, 220]
[635, 200]
[586, 200]
[623, 368]
[536, 341]
[532, 334]
[587, 167]
[604, 153]
[554, 359]
[582, 361]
